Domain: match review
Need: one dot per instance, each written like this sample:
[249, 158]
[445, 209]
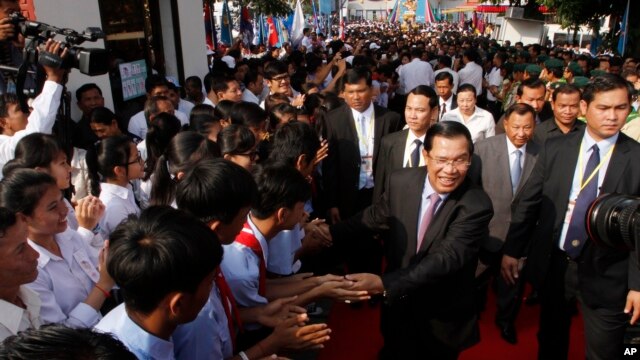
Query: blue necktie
[577, 232]
[415, 154]
[516, 171]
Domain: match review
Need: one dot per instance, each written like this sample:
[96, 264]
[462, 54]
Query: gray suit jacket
[490, 168]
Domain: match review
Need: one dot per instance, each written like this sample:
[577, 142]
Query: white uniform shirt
[119, 202]
[282, 251]
[480, 124]
[471, 74]
[14, 318]
[63, 283]
[415, 73]
[249, 96]
[494, 79]
[45, 108]
[138, 123]
[185, 106]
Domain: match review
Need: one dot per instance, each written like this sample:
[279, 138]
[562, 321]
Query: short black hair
[531, 83]
[520, 109]
[86, 87]
[153, 81]
[292, 140]
[565, 89]
[162, 251]
[355, 75]
[56, 342]
[274, 69]
[445, 75]
[216, 190]
[248, 114]
[604, 83]
[103, 115]
[21, 190]
[7, 220]
[449, 130]
[444, 60]
[428, 92]
[236, 139]
[48, 149]
[279, 186]
[468, 88]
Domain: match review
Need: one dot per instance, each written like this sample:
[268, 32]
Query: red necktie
[248, 239]
[229, 305]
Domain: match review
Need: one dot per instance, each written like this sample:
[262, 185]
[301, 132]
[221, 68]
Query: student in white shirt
[471, 73]
[19, 305]
[113, 163]
[164, 262]
[254, 84]
[14, 124]
[204, 121]
[238, 144]
[479, 121]
[51, 159]
[179, 104]
[71, 286]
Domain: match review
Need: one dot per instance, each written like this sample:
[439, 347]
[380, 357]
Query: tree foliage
[269, 7]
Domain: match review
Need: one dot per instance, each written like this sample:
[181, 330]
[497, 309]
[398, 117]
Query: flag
[209, 27]
[273, 32]
[393, 17]
[283, 30]
[624, 27]
[297, 26]
[428, 14]
[226, 28]
[341, 33]
[315, 16]
[257, 32]
[246, 28]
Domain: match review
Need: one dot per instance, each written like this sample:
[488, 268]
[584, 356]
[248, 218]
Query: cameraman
[10, 44]
[15, 124]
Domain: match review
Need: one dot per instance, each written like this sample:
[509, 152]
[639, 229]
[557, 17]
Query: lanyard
[361, 136]
[595, 171]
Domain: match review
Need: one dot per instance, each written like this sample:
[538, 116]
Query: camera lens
[613, 221]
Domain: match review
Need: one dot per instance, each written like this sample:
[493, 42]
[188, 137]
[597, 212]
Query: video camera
[89, 61]
[613, 220]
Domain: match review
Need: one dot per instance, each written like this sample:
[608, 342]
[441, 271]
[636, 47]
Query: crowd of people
[207, 225]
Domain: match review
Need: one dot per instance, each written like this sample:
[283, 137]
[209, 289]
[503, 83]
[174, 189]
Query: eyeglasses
[459, 164]
[138, 160]
[251, 155]
[281, 78]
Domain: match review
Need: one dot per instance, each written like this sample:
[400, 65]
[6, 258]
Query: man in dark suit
[501, 165]
[563, 262]
[404, 148]
[565, 102]
[436, 220]
[354, 132]
[447, 100]
[532, 92]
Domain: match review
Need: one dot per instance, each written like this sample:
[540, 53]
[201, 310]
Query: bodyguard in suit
[354, 132]
[501, 165]
[436, 218]
[404, 148]
[565, 102]
[447, 100]
[564, 263]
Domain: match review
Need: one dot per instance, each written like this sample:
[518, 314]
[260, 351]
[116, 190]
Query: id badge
[569, 213]
[85, 264]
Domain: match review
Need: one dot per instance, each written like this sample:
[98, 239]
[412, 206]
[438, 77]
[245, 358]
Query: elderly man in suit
[436, 218]
[354, 132]
[563, 261]
[502, 164]
[404, 148]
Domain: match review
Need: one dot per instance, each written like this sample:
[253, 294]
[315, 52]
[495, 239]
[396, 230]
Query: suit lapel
[397, 152]
[502, 159]
[413, 207]
[442, 213]
[567, 159]
[351, 125]
[529, 163]
[379, 124]
[617, 164]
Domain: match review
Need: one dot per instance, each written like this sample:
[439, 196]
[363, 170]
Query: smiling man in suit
[563, 262]
[354, 132]
[436, 218]
[501, 165]
[404, 148]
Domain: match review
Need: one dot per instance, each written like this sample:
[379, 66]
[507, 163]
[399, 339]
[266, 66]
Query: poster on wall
[132, 75]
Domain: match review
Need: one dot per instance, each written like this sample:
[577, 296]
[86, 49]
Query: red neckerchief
[248, 239]
[229, 304]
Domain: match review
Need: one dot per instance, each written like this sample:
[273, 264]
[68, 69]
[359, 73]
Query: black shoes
[508, 333]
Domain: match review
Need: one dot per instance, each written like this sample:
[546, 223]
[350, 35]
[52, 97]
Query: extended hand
[369, 282]
[633, 306]
[279, 310]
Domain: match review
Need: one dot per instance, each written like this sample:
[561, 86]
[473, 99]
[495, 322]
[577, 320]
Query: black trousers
[364, 252]
[604, 327]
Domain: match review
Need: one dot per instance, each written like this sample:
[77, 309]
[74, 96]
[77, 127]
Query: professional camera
[89, 61]
[613, 220]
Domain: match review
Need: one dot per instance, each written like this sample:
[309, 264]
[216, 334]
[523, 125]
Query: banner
[209, 27]
[624, 28]
[226, 28]
[246, 28]
[297, 26]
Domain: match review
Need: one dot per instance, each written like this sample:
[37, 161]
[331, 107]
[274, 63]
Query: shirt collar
[117, 190]
[146, 342]
[66, 248]
[261, 239]
[449, 102]
[11, 315]
[428, 190]
[511, 148]
[411, 137]
[603, 145]
[368, 114]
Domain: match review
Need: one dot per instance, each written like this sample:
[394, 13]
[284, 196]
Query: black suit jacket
[454, 105]
[604, 275]
[390, 159]
[341, 169]
[434, 286]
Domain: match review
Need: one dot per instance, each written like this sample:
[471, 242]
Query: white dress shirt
[249, 96]
[138, 123]
[471, 73]
[208, 101]
[480, 124]
[241, 267]
[185, 106]
[14, 318]
[409, 146]
[282, 251]
[119, 202]
[604, 146]
[366, 144]
[456, 78]
[494, 79]
[63, 283]
[448, 103]
[143, 345]
[427, 190]
[415, 73]
[41, 120]
[511, 149]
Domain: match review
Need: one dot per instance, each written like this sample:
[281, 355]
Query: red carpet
[356, 336]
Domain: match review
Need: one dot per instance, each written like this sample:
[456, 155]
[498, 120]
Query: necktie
[415, 154]
[516, 171]
[444, 110]
[434, 200]
[363, 127]
[577, 232]
[229, 304]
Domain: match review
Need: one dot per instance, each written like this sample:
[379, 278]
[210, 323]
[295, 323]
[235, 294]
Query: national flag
[393, 17]
[273, 32]
[246, 28]
[624, 28]
[209, 27]
[297, 26]
[428, 15]
[226, 28]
